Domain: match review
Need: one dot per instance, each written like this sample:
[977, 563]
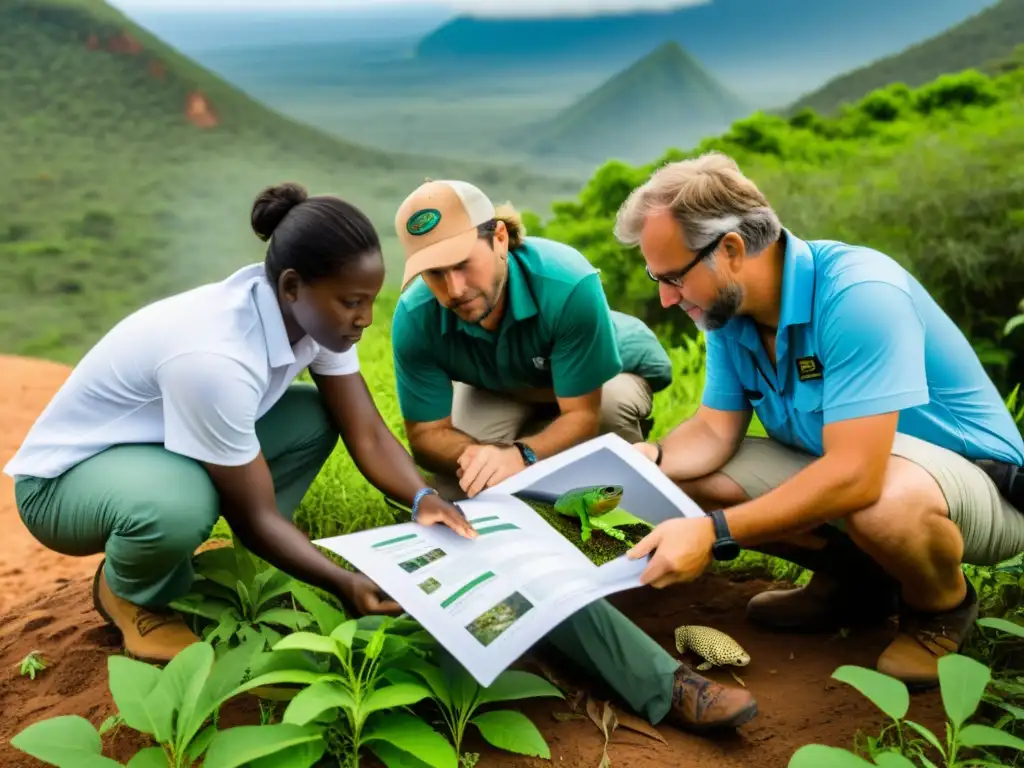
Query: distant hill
[767, 52]
[667, 99]
[129, 172]
[980, 42]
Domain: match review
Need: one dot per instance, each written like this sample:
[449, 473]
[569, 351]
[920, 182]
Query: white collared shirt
[193, 372]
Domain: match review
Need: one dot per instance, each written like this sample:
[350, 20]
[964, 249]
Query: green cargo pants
[148, 509]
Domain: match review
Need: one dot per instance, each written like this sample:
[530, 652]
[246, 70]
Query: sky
[478, 7]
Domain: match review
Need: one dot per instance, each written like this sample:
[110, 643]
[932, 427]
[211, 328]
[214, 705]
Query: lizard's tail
[541, 497]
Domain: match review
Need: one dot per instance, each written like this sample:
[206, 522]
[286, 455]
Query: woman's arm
[378, 454]
[210, 402]
[249, 505]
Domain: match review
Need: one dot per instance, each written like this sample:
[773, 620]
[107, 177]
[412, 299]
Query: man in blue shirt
[885, 436]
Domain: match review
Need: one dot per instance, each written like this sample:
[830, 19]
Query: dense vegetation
[675, 99]
[982, 41]
[920, 174]
[113, 196]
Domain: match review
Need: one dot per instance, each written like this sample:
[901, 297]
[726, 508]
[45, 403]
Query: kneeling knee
[900, 514]
[172, 532]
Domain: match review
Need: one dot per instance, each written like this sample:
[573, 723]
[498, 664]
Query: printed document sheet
[489, 600]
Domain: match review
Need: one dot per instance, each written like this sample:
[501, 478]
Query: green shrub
[956, 90]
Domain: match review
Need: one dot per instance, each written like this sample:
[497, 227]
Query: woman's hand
[365, 596]
[434, 509]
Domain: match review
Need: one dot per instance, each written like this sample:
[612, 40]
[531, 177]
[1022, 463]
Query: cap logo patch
[423, 221]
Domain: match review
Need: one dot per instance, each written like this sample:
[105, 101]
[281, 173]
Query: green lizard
[594, 505]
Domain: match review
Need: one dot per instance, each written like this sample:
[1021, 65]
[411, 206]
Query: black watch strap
[725, 546]
[529, 457]
[721, 527]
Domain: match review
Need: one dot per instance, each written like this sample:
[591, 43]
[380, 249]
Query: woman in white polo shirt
[188, 409]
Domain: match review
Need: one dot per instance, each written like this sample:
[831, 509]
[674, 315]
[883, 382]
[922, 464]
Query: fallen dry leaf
[634, 723]
[603, 716]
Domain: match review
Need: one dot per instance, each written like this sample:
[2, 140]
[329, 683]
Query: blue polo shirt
[858, 335]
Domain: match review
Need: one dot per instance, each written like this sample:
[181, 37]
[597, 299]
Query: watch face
[529, 457]
[726, 550]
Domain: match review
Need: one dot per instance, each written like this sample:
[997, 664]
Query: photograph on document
[605, 479]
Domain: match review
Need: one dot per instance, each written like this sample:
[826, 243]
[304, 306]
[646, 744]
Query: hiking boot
[700, 704]
[826, 604]
[151, 635]
[924, 638]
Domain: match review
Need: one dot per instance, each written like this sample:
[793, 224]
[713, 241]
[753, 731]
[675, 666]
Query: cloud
[519, 8]
[489, 8]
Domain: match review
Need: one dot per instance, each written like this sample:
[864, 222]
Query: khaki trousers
[992, 529]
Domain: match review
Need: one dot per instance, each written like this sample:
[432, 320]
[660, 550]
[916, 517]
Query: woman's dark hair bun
[273, 204]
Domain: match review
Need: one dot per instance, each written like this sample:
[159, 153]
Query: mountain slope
[129, 172]
[665, 99]
[768, 53]
[978, 42]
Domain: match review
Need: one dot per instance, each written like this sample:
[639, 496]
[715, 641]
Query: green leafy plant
[962, 683]
[175, 706]
[1006, 691]
[355, 691]
[31, 665]
[458, 696]
[234, 602]
[1014, 402]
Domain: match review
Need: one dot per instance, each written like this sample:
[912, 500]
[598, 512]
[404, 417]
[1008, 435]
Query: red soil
[45, 606]
[197, 110]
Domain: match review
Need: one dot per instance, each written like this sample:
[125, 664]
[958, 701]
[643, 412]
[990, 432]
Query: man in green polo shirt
[502, 335]
[505, 350]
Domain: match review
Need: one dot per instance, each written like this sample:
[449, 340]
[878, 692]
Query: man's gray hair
[708, 196]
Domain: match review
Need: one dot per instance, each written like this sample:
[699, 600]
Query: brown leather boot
[924, 638]
[700, 704]
[150, 635]
[824, 605]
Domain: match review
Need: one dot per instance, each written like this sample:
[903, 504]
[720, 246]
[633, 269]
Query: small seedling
[112, 723]
[32, 664]
[459, 696]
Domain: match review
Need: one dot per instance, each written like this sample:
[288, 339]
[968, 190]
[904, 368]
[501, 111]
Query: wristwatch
[725, 546]
[529, 457]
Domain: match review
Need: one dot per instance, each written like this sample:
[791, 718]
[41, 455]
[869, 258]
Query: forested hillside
[927, 175]
[984, 41]
[129, 172]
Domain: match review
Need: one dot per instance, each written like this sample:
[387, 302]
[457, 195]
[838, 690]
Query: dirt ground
[26, 567]
[45, 606]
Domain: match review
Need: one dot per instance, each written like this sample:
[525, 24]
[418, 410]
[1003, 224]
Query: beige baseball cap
[437, 224]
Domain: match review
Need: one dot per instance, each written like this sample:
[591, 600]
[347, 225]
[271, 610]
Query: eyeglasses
[677, 279]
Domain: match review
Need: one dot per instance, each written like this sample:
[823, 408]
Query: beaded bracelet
[418, 498]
